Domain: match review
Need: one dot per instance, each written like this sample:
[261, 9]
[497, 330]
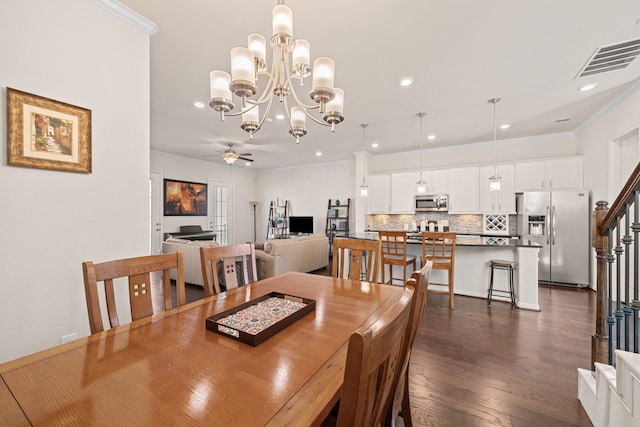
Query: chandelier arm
[295, 96]
[293, 91]
[265, 115]
[314, 119]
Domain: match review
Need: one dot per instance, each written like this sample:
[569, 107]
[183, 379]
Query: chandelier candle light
[495, 179]
[291, 59]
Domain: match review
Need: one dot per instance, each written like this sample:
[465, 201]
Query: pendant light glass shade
[495, 180]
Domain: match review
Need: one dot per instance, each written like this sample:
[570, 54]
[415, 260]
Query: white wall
[593, 142]
[187, 169]
[51, 221]
[308, 188]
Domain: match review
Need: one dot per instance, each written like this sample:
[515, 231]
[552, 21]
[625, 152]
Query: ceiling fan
[231, 156]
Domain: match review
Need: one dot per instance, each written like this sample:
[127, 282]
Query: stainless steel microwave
[431, 203]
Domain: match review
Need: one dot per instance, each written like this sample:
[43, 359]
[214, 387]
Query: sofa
[301, 253]
[191, 257]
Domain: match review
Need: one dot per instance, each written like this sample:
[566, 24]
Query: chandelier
[291, 60]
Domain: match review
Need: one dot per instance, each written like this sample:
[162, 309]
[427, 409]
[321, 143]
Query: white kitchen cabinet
[503, 201]
[437, 181]
[565, 173]
[379, 194]
[403, 190]
[554, 174]
[464, 191]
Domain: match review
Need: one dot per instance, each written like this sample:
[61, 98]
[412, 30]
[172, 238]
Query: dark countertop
[463, 240]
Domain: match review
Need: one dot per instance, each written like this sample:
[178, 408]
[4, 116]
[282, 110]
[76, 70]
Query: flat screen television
[300, 225]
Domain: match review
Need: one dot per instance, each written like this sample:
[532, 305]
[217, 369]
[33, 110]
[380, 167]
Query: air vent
[612, 57]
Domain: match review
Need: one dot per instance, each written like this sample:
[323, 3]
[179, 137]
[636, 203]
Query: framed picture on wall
[184, 198]
[47, 134]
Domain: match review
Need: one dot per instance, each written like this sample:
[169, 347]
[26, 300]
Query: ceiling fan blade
[245, 154]
[244, 158]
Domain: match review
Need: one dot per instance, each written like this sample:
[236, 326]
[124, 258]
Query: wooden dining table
[170, 370]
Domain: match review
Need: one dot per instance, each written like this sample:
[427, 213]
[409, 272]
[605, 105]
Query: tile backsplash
[467, 224]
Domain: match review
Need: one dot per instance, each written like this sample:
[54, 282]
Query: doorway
[155, 217]
[220, 211]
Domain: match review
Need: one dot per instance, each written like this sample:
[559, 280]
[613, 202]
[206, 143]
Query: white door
[155, 213]
[220, 211]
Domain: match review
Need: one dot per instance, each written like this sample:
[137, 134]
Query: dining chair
[400, 402]
[394, 252]
[236, 260]
[374, 356]
[441, 249]
[363, 259]
[138, 272]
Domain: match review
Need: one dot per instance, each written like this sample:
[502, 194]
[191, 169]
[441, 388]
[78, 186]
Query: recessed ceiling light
[269, 119]
[374, 145]
[279, 116]
[505, 126]
[198, 104]
[406, 82]
[247, 163]
[318, 154]
[431, 137]
[588, 87]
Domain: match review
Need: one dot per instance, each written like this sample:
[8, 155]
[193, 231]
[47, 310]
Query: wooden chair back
[401, 403]
[138, 271]
[394, 252]
[360, 253]
[232, 257]
[440, 248]
[374, 357]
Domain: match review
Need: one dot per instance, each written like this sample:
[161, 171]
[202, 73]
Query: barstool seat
[510, 266]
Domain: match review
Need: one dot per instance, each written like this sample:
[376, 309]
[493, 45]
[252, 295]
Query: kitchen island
[473, 254]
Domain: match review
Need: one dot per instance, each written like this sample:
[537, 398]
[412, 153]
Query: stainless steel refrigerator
[560, 222]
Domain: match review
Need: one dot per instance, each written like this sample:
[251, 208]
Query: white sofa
[302, 253]
[191, 257]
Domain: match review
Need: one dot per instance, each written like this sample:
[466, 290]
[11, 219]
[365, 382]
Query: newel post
[599, 341]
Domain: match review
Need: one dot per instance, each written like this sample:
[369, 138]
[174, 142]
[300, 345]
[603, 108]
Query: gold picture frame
[47, 134]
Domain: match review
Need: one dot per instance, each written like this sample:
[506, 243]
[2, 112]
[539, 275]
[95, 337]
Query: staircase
[611, 395]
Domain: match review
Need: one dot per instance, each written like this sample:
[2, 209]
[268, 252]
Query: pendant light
[421, 185]
[364, 188]
[495, 183]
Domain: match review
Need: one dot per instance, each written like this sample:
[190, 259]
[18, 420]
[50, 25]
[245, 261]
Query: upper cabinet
[503, 201]
[553, 174]
[463, 190]
[437, 180]
[379, 193]
[392, 193]
[403, 190]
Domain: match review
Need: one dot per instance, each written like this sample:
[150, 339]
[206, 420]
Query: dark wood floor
[496, 366]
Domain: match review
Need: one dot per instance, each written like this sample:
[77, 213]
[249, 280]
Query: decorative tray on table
[261, 318]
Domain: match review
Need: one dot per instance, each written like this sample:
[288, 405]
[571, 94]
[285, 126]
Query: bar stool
[509, 266]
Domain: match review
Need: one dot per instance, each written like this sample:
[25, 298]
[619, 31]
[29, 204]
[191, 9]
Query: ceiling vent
[612, 57]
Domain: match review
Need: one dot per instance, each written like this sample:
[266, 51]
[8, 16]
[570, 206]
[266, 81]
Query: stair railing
[617, 301]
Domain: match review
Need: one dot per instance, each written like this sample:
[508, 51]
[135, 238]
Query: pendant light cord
[421, 115]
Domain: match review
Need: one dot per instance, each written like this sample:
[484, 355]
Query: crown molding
[128, 15]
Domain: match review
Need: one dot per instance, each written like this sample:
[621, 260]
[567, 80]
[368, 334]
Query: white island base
[472, 272]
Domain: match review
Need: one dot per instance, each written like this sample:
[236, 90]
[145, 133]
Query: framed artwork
[47, 134]
[183, 198]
